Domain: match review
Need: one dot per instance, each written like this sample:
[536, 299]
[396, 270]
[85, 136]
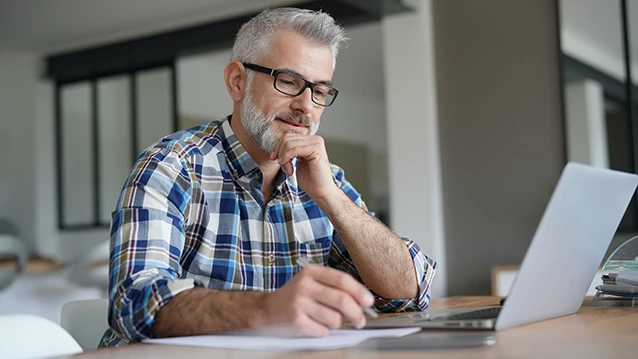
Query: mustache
[298, 119]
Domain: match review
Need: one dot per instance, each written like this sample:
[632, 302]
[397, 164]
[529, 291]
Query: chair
[11, 247]
[92, 270]
[86, 321]
[29, 336]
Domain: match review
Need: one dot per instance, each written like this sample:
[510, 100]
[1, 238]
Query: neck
[268, 167]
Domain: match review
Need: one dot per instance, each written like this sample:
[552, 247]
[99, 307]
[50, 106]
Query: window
[104, 123]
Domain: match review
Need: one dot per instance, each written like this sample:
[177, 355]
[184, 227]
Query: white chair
[86, 321]
[28, 336]
[11, 246]
[92, 270]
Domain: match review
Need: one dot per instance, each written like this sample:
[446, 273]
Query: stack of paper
[338, 339]
[623, 284]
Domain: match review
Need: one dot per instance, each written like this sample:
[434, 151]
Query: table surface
[595, 331]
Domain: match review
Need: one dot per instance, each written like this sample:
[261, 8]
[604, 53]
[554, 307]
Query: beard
[259, 126]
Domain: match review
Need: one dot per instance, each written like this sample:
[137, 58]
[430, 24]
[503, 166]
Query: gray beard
[259, 126]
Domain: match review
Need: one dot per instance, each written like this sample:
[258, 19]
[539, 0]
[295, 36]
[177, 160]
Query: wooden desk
[594, 332]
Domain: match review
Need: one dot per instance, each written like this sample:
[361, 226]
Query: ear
[235, 78]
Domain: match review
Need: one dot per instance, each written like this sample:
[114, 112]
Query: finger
[300, 149]
[304, 325]
[342, 281]
[290, 149]
[324, 314]
[341, 302]
[288, 168]
[285, 138]
[275, 150]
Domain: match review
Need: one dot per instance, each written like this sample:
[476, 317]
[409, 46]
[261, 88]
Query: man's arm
[315, 301]
[200, 311]
[390, 266]
[381, 258]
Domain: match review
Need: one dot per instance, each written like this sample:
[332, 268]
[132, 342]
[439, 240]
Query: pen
[302, 262]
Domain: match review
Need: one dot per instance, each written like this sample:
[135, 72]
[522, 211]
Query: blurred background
[454, 121]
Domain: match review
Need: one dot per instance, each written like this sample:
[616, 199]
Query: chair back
[86, 321]
[12, 247]
[28, 336]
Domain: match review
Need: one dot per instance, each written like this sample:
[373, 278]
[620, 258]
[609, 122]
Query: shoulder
[190, 146]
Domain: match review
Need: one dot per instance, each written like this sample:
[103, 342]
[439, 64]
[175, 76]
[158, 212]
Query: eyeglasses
[292, 84]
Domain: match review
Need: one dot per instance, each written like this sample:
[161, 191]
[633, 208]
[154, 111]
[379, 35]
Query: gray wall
[501, 131]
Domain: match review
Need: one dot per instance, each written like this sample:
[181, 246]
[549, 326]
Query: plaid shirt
[192, 213]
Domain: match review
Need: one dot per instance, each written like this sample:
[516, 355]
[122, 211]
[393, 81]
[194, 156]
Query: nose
[303, 102]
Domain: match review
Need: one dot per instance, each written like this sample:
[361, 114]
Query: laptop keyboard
[486, 313]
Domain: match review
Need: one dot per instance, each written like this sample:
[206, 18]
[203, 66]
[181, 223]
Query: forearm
[381, 258]
[199, 311]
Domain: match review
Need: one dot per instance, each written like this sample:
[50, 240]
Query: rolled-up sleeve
[425, 269]
[147, 240]
[424, 266]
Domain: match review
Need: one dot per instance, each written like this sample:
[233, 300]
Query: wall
[17, 142]
[501, 131]
[416, 203]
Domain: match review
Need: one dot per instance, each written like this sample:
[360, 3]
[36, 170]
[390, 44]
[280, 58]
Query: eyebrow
[325, 82]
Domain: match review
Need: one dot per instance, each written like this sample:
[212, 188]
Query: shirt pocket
[317, 252]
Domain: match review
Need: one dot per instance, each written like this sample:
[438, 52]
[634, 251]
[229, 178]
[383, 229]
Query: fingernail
[370, 299]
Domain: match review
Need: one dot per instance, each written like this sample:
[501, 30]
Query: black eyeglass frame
[274, 73]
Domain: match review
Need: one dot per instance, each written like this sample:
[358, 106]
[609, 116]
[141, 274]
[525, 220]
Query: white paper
[338, 339]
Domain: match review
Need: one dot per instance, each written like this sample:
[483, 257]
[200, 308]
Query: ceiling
[59, 25]
[50, 26]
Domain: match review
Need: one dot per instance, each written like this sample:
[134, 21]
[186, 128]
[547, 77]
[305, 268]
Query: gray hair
[254, 37]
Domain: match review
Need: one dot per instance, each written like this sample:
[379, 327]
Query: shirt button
[271, 260]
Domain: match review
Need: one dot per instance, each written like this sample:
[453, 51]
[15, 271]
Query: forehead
[291, 51]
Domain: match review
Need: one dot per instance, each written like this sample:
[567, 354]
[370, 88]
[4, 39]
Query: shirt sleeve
[424, 266]
[147, 240]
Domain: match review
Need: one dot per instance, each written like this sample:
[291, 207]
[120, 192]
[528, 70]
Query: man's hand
[313, 168]
[315, 301]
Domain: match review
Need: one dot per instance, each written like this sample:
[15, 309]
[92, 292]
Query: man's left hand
[314, 175]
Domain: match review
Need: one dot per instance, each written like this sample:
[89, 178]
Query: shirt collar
[238, 159]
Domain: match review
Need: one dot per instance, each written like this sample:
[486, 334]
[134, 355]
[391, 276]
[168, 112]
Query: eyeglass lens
[293, 85]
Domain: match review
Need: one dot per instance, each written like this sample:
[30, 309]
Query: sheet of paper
[338, 339]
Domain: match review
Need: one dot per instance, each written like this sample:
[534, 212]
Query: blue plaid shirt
[192, 213]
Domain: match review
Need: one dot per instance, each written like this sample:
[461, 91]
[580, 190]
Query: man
[212, 220]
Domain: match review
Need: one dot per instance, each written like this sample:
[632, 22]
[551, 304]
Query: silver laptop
[561, 261]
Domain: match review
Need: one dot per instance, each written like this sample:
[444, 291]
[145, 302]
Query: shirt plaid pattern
[192, 213]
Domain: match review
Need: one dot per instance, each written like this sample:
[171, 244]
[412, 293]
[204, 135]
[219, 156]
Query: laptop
[561, 261]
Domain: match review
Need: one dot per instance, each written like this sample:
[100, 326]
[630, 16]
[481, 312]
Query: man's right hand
[315, 301]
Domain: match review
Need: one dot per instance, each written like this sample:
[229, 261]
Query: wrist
[259, 319]
[332, 202]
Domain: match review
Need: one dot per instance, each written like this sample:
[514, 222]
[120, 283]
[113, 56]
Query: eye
[320, 93]
[286, 82]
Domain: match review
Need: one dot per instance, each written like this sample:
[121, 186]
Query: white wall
[28, 175]
[27, 187]
[17, 142]
[416, 204]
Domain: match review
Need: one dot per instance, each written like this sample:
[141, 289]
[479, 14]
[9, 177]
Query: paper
[338, 339]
